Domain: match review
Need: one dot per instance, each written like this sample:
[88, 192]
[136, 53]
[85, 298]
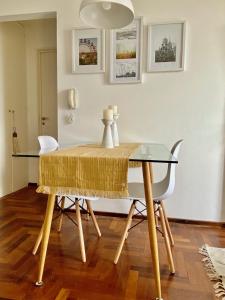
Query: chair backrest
[169, 180]
[47, 142]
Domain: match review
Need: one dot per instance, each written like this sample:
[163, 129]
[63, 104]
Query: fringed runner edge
[66, 191]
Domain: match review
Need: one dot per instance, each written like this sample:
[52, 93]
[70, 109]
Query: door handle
[44, 118]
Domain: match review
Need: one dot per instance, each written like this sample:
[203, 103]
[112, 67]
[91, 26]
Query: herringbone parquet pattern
[66, 277]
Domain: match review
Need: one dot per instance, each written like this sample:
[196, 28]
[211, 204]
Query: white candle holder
[114, 128]
[107, 141]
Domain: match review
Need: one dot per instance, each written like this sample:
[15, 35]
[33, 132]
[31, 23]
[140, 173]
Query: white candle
[108, 114]
[114, 108]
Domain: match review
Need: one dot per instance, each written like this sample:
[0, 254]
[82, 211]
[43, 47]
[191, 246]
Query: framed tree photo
[88, 50]
[126, 53]
[166, 47]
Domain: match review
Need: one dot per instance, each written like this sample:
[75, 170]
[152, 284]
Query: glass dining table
[146, 154]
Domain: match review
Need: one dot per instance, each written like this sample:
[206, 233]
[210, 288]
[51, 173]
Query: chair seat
[159, 190]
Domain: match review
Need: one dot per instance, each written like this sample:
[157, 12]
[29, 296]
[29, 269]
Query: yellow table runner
[88, 170]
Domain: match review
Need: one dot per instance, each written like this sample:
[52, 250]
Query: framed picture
[166, 47]
[126, 53]
[88, 50]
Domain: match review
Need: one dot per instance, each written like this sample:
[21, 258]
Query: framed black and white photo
[166, 47]
[126, 53]
[88, 50]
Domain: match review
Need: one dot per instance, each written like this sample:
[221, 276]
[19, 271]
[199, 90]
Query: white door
[48, 92]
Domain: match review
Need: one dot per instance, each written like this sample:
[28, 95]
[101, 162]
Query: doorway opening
[47, 92]
[28, 93]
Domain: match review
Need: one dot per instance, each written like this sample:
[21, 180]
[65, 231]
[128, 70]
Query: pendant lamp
[107, 14]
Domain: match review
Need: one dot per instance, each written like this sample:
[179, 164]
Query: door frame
[39, 78]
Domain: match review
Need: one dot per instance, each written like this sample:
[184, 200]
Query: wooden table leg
[81, 235]
[151, 172]
[155, 205]
[151, 226]
[45, 238]
[38, 241]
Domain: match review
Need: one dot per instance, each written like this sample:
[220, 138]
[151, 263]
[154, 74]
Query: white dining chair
[48, 143]
[161, 191]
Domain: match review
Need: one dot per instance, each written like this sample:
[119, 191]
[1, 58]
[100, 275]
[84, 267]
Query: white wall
[165, 107]
[12, 97]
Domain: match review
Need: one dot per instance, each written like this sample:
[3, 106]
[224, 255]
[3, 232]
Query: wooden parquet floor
[66, 277]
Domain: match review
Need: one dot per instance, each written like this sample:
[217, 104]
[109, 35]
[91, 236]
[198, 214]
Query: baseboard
[175, 220]
[197, 222]
[14, 193]
[123, 215]
[32, 184]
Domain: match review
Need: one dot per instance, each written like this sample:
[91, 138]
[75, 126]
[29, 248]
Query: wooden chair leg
[156, 216]
[129, 220]
[88, 212]
[89, 206]
[61, 216]
[151, 172]
[167, 225]
[167, 242]
[45, 238]
[128, 230]
[81, 236]
[38, 241]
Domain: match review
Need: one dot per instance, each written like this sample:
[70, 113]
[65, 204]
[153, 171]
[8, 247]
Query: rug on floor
[214, 262]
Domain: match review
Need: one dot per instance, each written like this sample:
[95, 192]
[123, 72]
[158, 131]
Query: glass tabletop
[153, 153]
[149, 152]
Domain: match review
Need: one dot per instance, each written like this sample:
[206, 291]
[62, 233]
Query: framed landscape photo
[126, 53]
[166, 47]
[88, 50]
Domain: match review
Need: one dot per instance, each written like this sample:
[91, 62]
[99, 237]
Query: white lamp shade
[107, 14]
